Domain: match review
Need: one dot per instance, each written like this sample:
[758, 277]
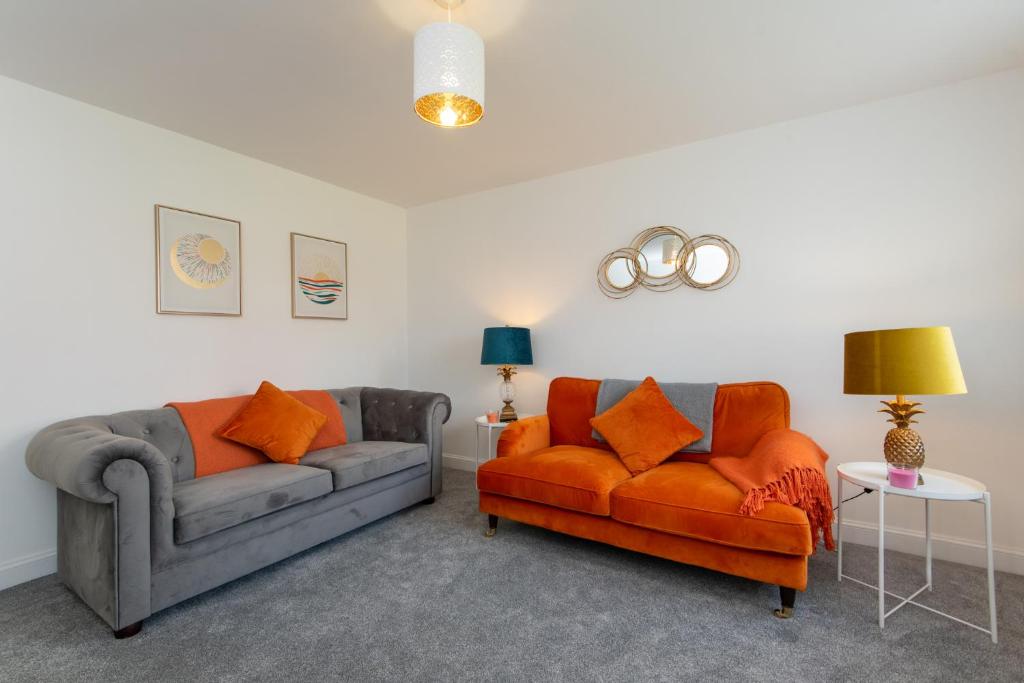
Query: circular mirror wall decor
[708, 262]
[664, 258]
[618, 274]
[661, 247]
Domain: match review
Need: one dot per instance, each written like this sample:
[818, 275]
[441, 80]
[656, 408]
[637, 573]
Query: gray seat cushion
[210, 504]
[356, 463]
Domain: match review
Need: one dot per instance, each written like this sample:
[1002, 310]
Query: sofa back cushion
[743, 412]
[571, 403]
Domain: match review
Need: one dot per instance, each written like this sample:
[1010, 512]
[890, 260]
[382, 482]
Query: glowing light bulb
[448, 116]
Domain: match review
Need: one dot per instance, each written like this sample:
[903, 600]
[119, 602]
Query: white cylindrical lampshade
[448, 75]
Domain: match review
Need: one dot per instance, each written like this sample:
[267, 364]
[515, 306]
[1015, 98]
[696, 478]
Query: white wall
[79, 332]
[900, 213]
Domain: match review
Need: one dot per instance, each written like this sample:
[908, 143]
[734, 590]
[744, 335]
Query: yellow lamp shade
[912, 361]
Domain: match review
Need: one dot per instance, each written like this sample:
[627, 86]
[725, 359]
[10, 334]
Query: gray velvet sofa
[137, 532]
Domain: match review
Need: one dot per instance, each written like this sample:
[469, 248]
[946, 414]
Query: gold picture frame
[202, 271]
[319, 277]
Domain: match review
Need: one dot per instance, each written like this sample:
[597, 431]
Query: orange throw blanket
[213, 453]
[784, 466]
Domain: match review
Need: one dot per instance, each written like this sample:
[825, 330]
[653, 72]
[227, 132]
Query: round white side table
[937, 485]
[482, 425]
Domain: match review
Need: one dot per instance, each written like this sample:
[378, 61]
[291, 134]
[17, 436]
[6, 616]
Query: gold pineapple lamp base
[903, 446]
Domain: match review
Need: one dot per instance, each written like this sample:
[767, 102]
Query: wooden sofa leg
[128, 631]
[788, 596]
[492, 525]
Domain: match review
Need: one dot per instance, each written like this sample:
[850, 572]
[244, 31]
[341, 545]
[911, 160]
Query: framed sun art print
[198, 263]
[319, 278]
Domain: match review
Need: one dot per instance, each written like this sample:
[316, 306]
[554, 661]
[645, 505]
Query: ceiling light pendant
[448, 72]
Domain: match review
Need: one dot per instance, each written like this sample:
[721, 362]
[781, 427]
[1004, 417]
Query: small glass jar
[903, 477]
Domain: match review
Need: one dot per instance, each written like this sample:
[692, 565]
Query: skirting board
[459, 462]
[951, 548]
[22, 569]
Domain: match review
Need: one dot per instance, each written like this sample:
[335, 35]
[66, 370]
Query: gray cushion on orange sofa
[695, 401]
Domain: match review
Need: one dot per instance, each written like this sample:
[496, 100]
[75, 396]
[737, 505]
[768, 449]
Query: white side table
[482, 425]
[937, 485]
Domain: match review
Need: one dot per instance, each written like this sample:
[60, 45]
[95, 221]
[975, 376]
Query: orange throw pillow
[275, 423]
[645, 428]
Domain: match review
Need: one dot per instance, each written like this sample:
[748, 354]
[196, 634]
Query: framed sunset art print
[319, 278]
[198, 263]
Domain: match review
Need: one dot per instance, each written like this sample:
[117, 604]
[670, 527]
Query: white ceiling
[324, 87]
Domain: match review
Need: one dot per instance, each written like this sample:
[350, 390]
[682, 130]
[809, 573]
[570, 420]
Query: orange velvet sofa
[550, 472]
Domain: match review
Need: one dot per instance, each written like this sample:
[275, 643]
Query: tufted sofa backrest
[164, 429]
[396, 414]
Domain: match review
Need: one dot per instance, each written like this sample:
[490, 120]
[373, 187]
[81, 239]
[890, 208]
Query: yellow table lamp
[909, 361]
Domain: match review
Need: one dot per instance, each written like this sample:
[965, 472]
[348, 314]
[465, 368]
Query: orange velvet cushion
[571, 403]
[744, 413]
[694, 500]
[281, 426]
[645, 428]
[569, 477]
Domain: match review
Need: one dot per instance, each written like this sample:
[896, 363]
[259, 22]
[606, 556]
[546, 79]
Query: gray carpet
[423, 595]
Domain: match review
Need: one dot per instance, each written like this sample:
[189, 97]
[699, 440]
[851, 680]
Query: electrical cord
[847, 500]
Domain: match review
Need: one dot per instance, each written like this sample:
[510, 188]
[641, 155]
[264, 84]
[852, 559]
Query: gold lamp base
[903, 446]
[508, 413]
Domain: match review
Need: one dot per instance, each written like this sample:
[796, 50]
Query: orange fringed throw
[787, 467]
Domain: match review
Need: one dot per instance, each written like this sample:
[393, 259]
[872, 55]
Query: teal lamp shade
[506, 346]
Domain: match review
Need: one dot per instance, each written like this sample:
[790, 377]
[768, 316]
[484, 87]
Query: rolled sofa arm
[74, 455]
[114, 505]
[409, 416]
[525, 436]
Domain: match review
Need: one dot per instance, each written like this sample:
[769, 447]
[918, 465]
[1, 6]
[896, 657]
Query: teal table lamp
[507, 347]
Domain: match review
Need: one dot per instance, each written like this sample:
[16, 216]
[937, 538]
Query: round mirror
[709, 262]
[660, 249]
[662, 254]
[619, 273]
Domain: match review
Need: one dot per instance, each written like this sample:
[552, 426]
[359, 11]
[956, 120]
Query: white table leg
[839, 532]
[477, 446]
[488, 445]
[928, 541]
[881, 558]
[991, 568]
